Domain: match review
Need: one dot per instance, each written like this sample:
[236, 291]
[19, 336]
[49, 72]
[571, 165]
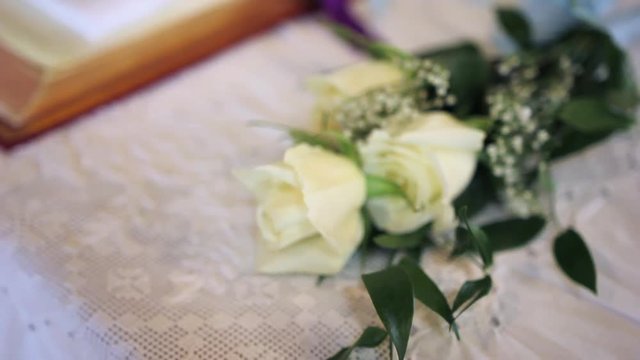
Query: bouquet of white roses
[407, 148]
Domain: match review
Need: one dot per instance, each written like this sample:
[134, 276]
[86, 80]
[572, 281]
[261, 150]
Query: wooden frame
[135, 64]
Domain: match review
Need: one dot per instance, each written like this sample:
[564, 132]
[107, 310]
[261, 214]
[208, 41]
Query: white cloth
[124, 235]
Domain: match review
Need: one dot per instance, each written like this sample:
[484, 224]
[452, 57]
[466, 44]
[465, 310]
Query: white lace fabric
[125, 236]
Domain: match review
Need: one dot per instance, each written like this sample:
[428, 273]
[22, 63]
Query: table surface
[125, 236]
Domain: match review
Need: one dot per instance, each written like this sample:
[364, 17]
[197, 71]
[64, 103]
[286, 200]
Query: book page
[93, 20]
[54, 33]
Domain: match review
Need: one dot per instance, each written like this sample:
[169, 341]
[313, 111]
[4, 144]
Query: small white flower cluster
[426, 88]
[359, 115]
[524, 108]
[430, 80]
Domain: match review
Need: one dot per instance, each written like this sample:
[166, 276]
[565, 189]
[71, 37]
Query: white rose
[432, 160]
[308, 211]
[351, 81]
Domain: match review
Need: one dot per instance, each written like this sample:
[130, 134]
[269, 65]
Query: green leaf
[366, 239]
[545, 179]
[515, 24]
[426, 290]
[392, 296]
[370, 338]
[482, 245]
[375, 49]
[405, 241]
[573, 257]
[348, 148]
[470, 292]
[479, 122]
[303, 136]
[325, 140]
[624, 92]
[603, 64]
[624, 98]
[513, 233]
[378, 186]
[414, 253]
[470, 73]
[332, 141]
[479, 193]
[368, 224]
[462, 244]
[503, 235]
[591, 115]
[479, 240]
[299, 136]
[572, 141]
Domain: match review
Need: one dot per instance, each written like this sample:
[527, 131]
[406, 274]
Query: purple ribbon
[340, 12]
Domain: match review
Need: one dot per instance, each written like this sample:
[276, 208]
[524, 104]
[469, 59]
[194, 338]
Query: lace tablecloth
[125, 236]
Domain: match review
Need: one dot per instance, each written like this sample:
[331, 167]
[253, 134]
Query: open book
[60, 58]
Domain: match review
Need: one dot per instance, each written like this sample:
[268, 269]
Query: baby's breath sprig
[429, 82]
[426, 87]
[524, 106]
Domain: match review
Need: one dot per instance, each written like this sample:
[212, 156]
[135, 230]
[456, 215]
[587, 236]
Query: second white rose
[432, 160]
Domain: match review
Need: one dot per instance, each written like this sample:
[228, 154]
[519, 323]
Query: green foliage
[604, 92]
[392, 295]
[396, 242]
[300, 136]
[513, 233]
[625, 98]
[593, 115]
[369, 233]
[469, 75]
[329, 140]
[514, 23]
[571, 141]
[470, 292]
[427, 292]
[378, 186]
[573, 257]
[370, 338]
[348, 148]
[478, 194]
[483, 123]
[603, 64]
[391, 288]
[479, 240]
[368, 223]
[375, 49]
[332, 141]
[502, 235]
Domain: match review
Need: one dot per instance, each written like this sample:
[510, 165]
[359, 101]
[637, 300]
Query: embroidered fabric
[125, 236]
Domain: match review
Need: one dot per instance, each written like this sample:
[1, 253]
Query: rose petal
[432, 160]
[311, 256]
[282, 217]
[396, 216]
[440, 129]
[260, 179]
[457, 168]
[355, 80]
[445, 219]
[334, 190]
